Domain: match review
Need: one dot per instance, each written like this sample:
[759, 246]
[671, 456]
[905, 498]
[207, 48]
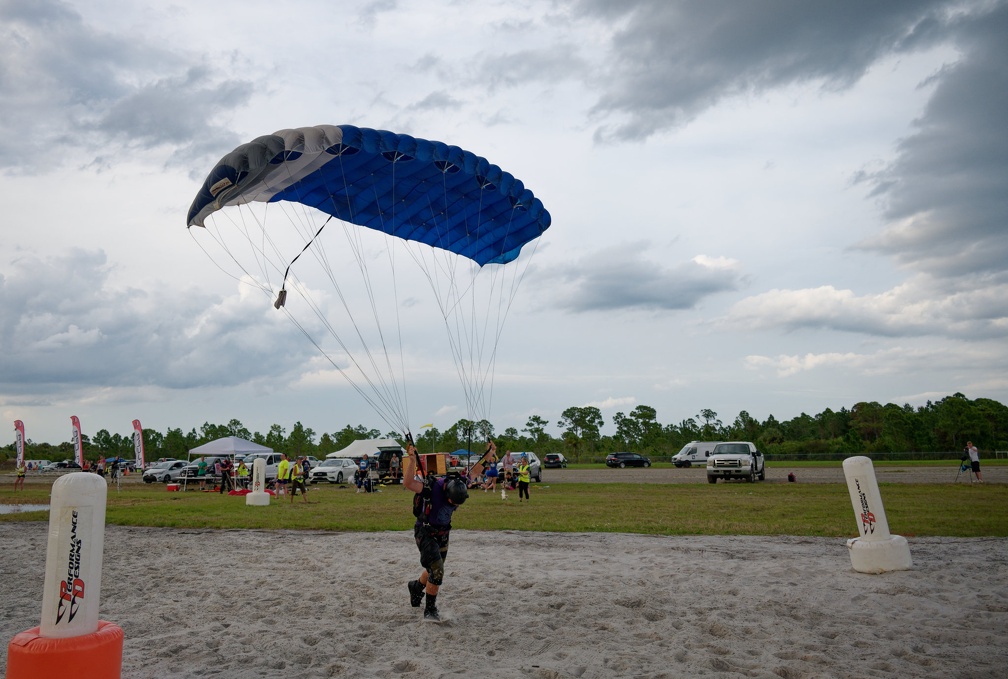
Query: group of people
[516, 473]
[292, 476]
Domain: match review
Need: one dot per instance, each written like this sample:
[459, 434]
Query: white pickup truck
[735, 460]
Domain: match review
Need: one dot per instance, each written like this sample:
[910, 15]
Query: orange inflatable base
[93, 656]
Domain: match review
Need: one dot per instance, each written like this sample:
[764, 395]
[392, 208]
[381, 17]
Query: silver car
[334, 470]
[535, 467]
[164, 472]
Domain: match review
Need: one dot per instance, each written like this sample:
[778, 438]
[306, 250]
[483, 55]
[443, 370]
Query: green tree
[535, 426]
[581, 426]
[301, 441]
[867, 420]
[711, 429]
[236, 428]
[744, 428]
[276, 438]
[958, 421]
[175, 445]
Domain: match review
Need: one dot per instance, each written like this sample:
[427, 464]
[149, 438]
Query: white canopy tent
[229, 446]
[371, 447]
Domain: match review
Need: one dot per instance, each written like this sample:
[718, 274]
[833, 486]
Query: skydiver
[435, 500]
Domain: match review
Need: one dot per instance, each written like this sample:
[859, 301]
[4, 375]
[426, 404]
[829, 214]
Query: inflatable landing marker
[258, 497]
[876, 551]
[71, 640]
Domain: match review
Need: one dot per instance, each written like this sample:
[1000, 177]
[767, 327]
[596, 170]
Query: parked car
[627, 460]
[334, 470]
[313, 461]
[164, 472]
[535, 466]
[554, 461]
[694, 453]
[63, 465]
[271, 459]
[735, 460]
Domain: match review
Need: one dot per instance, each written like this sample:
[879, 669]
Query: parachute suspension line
[217, 236]
[391, 251]
[443, 266]
[282, 295]
[467, 320]
[375, 405]
[388, 391]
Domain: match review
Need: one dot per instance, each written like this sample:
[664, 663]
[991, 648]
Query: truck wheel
[711, 479]
[622, 465]
[752, 475]
[762, 474]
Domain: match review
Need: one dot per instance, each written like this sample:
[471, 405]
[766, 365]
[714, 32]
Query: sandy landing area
[199, 603]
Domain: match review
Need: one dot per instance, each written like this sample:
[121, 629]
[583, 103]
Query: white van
[694, 454]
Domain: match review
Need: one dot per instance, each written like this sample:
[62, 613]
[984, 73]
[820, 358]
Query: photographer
[974, 456]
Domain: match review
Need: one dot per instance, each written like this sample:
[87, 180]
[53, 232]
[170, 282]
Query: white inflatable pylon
[258, 497]
[876, 550]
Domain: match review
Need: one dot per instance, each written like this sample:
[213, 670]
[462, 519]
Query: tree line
[941, 426]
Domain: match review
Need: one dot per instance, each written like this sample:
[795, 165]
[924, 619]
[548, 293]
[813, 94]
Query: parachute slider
[281, 299]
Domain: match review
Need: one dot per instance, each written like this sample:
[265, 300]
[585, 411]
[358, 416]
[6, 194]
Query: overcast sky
[775, 206]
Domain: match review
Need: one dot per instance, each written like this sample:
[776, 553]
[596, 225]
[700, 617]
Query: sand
[201, 603]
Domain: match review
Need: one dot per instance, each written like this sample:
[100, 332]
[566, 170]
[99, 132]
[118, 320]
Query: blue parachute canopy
[414, 189]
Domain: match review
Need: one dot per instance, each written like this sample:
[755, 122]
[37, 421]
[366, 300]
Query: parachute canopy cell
[414, 189]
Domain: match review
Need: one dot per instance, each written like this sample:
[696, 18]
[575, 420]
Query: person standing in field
[297, 477]
[524, 477]
[974, 456]
[19, 479]
[226, 484]
[363, 467]
[201, 470]
[283, 474]
[394, 468]
[243, 474]
[508, 464]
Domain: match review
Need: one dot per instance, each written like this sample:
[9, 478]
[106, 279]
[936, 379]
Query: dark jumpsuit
[431, 532]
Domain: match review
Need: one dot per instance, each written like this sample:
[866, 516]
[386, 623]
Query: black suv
[554, 461]
[626, 460]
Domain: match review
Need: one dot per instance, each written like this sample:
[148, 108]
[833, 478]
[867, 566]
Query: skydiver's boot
[430, 610]
[416, 593]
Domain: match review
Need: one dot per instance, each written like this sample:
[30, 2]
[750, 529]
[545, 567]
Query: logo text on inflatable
[71, 589]
[867, 517]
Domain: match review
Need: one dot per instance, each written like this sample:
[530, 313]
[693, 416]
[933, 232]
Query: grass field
[682, 509]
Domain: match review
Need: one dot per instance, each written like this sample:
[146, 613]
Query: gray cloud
[622, 277]
[68, 86]
[671, 61]
[66, 322]
[946, 195]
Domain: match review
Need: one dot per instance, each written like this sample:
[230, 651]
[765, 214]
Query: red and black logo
[72, 588]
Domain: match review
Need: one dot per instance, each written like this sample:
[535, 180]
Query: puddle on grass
[17, 509]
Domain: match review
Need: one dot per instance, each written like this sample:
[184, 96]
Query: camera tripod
[965, 466]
